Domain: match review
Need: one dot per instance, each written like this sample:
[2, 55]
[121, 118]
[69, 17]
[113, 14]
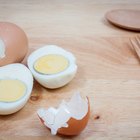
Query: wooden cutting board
[108, 73]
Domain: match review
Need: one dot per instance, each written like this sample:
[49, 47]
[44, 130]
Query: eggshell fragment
[69, 118]
[75, 126]
[13, 43]
[16, 72]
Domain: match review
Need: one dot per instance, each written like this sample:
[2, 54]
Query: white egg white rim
[2, 49]
[51, 49]
[8, 74]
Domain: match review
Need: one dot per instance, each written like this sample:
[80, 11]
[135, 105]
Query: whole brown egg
[13, 43]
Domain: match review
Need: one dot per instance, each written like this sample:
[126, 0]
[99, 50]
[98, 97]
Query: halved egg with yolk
[16, 83]
[52, 66]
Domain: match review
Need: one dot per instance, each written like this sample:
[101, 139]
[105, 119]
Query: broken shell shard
[70, 118]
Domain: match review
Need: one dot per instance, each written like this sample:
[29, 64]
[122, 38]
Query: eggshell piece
[66, 119]
[13, 43]
[75, 126]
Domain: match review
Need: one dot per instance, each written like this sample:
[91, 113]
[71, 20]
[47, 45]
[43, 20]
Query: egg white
[2, 49]
[53, 80]
[19, 72]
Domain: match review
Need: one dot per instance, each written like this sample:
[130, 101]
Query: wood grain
[108, 68]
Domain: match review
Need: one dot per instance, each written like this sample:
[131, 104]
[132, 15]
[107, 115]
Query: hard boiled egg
[16, 82]
[13, 43]
[52, 66]
[70, 118]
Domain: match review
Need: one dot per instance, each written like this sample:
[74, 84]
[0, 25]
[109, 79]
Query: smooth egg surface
[13, 43]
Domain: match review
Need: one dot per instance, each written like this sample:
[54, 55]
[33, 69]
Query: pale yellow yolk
[51, 64]
[11, 90]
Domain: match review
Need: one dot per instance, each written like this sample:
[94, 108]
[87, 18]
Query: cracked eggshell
[53, 80]
[19, 72]
[13, 43]
[69, 118]
[75, 126]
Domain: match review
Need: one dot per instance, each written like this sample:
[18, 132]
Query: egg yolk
[11, 90]
[51, 64]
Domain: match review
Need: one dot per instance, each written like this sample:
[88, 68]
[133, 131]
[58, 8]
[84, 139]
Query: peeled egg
[16, 82]
[13, 43]
[70, 118]
[52, 66]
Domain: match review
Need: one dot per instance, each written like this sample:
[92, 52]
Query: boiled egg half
[16, 82]
[52, 66]
[70, 118]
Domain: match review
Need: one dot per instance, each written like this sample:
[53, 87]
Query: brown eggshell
[74, 126]
[15, 41]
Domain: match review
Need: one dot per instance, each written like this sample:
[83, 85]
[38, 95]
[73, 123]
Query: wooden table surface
[108, 68]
